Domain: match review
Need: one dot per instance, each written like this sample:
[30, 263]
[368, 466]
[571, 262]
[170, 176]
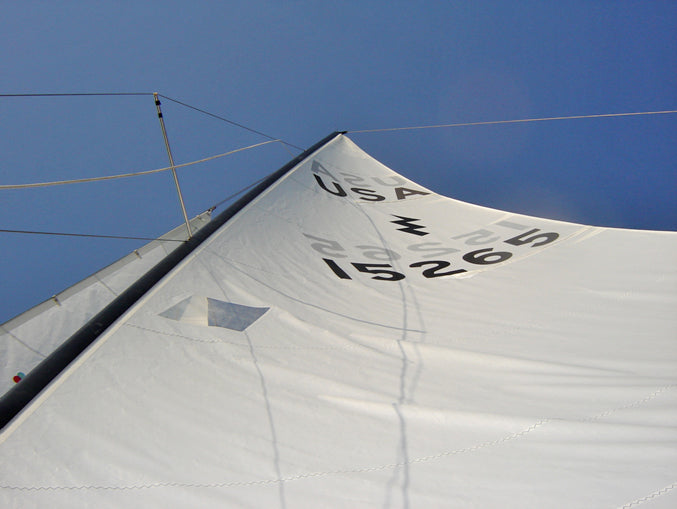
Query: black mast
[39, 377]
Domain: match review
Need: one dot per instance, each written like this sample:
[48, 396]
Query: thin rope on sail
[229, 121]
[64, 234]
[521, 120]
[134, 174]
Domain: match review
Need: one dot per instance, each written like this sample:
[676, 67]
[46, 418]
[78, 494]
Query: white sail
[30, 337]
[351, 339]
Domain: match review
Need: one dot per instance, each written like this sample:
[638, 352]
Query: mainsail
[348, 338]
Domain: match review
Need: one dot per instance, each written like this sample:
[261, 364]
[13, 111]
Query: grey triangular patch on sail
[215, 313]
[176, 312]
[232, 316]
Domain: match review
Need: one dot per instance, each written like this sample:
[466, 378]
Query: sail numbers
[372, 189]
[460, 263]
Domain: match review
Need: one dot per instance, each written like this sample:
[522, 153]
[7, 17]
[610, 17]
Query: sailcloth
[27, 339]
[351, 339]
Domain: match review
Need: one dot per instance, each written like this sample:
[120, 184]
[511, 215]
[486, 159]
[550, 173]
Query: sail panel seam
[483, 445]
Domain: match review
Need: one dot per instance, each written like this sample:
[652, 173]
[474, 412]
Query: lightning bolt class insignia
[409, 225]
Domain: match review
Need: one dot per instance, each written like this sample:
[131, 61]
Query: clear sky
[300, 70]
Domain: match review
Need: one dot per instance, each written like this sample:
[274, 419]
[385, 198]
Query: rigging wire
[271, 140]
[65, 234]
[134, 174]
[125, 237]
[228, 121]
[522, 120]
[104, 94]
[92, 94]
[228, 198]
[141, 173]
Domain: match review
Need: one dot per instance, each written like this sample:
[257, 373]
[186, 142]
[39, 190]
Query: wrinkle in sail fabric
[407, 350]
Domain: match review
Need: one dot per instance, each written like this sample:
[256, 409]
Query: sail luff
[17, 398]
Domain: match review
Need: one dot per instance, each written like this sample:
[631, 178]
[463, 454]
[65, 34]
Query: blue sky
[300, 70]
